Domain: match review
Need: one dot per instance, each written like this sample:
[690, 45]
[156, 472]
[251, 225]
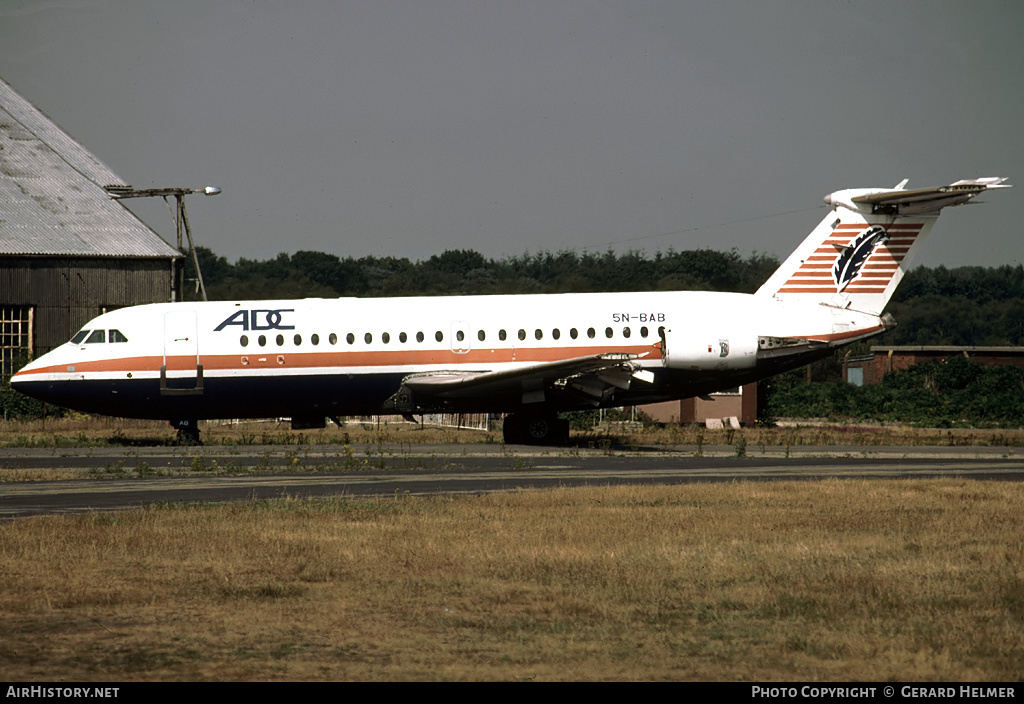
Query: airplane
[527, 356]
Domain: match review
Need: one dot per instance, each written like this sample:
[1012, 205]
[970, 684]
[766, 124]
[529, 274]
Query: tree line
[465, 272]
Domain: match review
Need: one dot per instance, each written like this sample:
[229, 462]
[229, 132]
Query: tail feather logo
[855, 255]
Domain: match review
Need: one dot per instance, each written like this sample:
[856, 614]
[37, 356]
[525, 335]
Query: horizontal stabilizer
[953, 194]
[921, 201]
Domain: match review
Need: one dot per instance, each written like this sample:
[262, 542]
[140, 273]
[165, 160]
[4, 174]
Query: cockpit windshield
[93, 336]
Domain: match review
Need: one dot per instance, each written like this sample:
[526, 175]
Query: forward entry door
[181, 372]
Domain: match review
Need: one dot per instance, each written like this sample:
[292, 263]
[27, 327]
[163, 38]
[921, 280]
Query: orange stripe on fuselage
[264, 358]
[844, 335]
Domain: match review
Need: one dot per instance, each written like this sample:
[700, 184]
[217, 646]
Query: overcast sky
[407, 128]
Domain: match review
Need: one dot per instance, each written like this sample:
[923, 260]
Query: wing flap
[463, 384]
[593, 377]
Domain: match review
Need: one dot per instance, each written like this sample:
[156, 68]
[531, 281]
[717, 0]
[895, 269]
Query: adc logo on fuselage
[257, 319]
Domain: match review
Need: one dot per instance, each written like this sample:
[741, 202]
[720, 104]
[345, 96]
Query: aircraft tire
[189, 436]
[512, 430]
[536, 430]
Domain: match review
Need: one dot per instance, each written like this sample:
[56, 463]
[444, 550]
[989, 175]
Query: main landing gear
[188, 432]
[535, 429]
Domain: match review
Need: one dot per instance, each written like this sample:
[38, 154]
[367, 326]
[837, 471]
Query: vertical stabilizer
[858, 254]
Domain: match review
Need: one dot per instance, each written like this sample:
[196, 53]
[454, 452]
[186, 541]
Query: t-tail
[858, 254]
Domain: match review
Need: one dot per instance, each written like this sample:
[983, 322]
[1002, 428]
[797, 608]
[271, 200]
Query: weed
[349, 460]
[521, 463]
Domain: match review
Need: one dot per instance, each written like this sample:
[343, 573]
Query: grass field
[832, 580]
[87, 431]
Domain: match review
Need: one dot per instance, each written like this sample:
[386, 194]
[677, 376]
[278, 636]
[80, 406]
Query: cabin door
[181, 372]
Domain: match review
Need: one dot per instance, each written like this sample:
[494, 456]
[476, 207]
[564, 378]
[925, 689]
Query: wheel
[536, 430]
[189, 436]
[539, 430]
[512, 430]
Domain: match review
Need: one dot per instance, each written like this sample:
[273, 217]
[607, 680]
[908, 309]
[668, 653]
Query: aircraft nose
[28, 381]
[20, 381]
[20, 378]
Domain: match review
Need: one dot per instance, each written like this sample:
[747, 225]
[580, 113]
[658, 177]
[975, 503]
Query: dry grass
[834, 580]
[84, 431]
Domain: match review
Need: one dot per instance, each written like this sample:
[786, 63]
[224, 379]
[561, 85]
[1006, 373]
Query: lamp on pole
[180, 219]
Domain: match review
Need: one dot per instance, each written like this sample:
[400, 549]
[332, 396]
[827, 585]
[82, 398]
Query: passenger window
[608, 332]
[643, 331]
[244, 340]
[315, 339]
[262, 339]
[402, 337]
[502, 335]
[460, 336]
[80, 336]
[591, 333]
[556, 334]
[385, 338]
[538, 333]
[419, 337]
[116, 336]
[367, 338]
[439, 336]
[522, 334]
[625, 332]
[480, 335]
[333, 338]
[97, 336]
[298, 340]
[279, 340]
[350, 339]
[573, 333]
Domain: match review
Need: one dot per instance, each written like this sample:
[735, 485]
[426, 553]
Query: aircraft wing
[595, 374]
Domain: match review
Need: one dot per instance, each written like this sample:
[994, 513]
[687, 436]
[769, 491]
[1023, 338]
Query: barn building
[68, 251]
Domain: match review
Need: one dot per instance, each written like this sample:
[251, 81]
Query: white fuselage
[347, 356]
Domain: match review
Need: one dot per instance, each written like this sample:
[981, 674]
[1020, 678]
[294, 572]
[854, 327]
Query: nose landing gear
[188, 432]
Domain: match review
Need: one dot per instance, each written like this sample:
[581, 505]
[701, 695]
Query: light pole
[180, 220]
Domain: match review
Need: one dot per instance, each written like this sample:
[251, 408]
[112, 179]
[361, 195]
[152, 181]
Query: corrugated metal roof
[52, 200]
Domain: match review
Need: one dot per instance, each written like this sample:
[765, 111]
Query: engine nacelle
[711, 347]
